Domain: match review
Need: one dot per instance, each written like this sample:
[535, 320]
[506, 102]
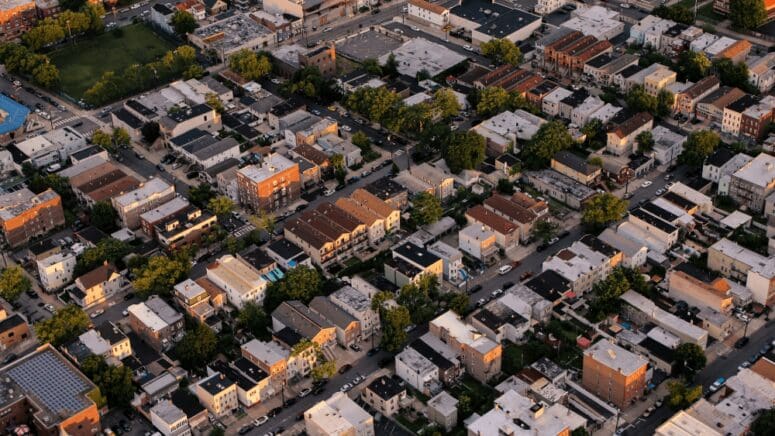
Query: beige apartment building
[218, 394]
[148, 196]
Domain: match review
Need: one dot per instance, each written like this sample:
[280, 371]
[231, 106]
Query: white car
[304, 392]
[468, 47]
[260, 421]
[96, 313]
[398, 31]
[347, 128]
[660, 191]
[415, 28]
[345, 388]
[50, 308]
[504, 269]
[645, 184]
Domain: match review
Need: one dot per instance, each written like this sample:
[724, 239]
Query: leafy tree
[214, 102]
[104, 140]
[678, 13]
[13, 282]
[665, 101]
[551, 137]
[690, 359]
[505, 186]
[458, 302]
[263, 221]
[200, 195]
[638, 100]
[426, 209]
[419, 299]
[150, 131]
[645, 141]
[183, 22]
[250, 65]
[300, 283]
[66, 325]
[376, 104]
[394, 322]
[107, 250]
[220, 205]
[693, 65]
[602, 210]
[103, 216]
[390, 67]
[160, 275]
[115, 382]
[747, 14]
[465, 405]
[72, 5]
[595, 161]
[465, 151]
[544, 230]
[764, 424]
[379, 299]
[309, 82]
[593, 130]
[194, 71]
[359, 139]
[492, 101]
[733, 74]
[372, 66]
[502, 51]
[682, 396]
[698, 146]
[607, 293]
[198, 346]
[445, 103]
[323, 370]
[302, 346]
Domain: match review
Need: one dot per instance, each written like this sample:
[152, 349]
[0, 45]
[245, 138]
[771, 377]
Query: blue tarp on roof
[17, 114]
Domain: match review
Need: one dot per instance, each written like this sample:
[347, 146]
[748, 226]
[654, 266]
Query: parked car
[305, 392]
[717, 384]
[504, 269]
[346, 367]
[96, 313]
[245, 429]
[260, 421]
[355, 347]
[645, 184]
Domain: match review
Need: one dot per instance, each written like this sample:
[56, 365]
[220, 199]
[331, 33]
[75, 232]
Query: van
[504, 269]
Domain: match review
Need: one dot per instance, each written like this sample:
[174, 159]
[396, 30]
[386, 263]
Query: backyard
[82, 64]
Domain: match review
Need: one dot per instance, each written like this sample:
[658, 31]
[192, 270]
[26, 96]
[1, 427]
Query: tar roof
[549, 284]
[216, 384]
[416, 254]
[575, 162]
[386, 387]
[653, 220]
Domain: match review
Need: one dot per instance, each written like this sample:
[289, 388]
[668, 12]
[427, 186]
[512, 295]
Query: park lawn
[82, 64]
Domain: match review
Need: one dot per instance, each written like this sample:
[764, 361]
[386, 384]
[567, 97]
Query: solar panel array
[55, 384]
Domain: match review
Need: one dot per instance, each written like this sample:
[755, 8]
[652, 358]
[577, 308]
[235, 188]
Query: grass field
[82, 64]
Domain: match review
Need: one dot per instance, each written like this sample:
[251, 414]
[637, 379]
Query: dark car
[10, 358]
[385, 361]
[563, 234]
[346, 367]
[289, 402]
[129, 296]
[192, 175]
[508, 285]
[32, 294]
[272, 413]
[300, 417]
[742, 342]
[318, 391]
[542, 247]
[476, 289]
[245, 429]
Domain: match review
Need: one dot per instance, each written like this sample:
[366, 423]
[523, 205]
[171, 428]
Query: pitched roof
[491, 219]
[632, 124]
[101, 274]
[436, 9]
[511, 209]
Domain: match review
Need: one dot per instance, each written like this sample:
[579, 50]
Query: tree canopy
[602, 210]
[678, 13]
[115, 382]
[183, 22]
[693, 65]
[682, 396]
[300, 283]
[151, 131]
[551, 137]
[13, 282]
[698, 146]
[733, 74]
[160, 275]
[109, 249]
[250, 65]
[544, 230]
[747, 14]
[220, 205]
[201, 194]
[18, 59]
[764, 424]
[197, 346]
[689, 360]
[426, 208]
[502, 51]
[253, 319]
[66, 325]
[464, 151]
[394, 322]
[103, 216]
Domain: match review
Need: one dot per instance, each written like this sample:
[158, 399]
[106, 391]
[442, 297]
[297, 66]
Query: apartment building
[392, 193]
[712, 106]
[297, 317]
[418, 371]
[194, 299]
[96, 286]
[184, 228]
[409, 262]
[358, 305]
[507, 234]
[655, 226]
[621, 137]
[658, 80]
[575, 167]
[745, 266]
[634, 254]
[519, 209]
[427, 178]
[385, 395]
[95, 180]
[200, 116]
[57, 270]
[560, 187]
[168, 418]
[14, 330]
[479, 242]
[699, 288]
[442, 409]
[218, 394]
[614, 374]
[480, 355]
[755, 120]
[50, 395]
[733, 114]
[25, 215]
[686, 100]
[582, 265]
[752, 183]
[201, 147]
[148, 196]
[603, 68]
[106, 340]
[432, 14]
[338, 415]
[643, 311]
[761, 73]
[273, 185]
[150, 219]
[156, 322]
[348, 328]
[16, 18]
[451, 258]
[241, 282]
[502, 132]
[566, 50]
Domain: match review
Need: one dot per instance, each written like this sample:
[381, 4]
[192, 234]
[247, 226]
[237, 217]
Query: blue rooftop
[17, 114]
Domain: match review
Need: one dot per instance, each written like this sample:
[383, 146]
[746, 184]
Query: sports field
[82, 64]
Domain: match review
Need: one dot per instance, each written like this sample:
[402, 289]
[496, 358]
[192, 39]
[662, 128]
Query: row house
[603, 68]
[753, 182]
[712, 106]
[686, 100]
[506, 233]
[568, 54]
[761, 72]
[584, 263]
[238, 279]
[184, 228]
[745, 266]
[156, 322]
[410, 262]
[621, 136]
[575, 167]
[148, 196]
[519, 209]
[305, 322]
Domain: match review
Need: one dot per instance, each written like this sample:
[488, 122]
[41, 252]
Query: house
[507, 234]
[500, 322]
[560, 187]
[338, 415]
[384, 395]
[297, 317]
[427, 178]
[551, 103]
[580, 265]
[621, 136]
[641, 310]
[146, 197]
[633, 253]
[107, 341]
[25, 215]
[201, 147]
[218, 394]
[253, 384]
[745, 266]
[519, 209]
[150, 219]
[409, 262]
[452, 260]
[51, 395]
[613, 373]
[392, 193]
[14, 330]
[194, 299]
[686, 100]
[333, 144]
[418, 371]
[200, 116]
[479, 242]
[388, 211]
[156, 322]
[428, 13]
[96, 286]
[95, 179]
[348, 328]
[52, 147]
[480, 355]
[733, 114]
[755, 120]
[712, 106]
[753, 182]
[57, 270]
[575, 167]
[169, 419]
[287, 254]
[271, 357]
[193, 7]
[761, 73]
[598, 21]
[654, 225]
[442, 409]
[699, 288]
[184, 227]
[276, 184]
[241, 282]
[668, 145]
[161, 17]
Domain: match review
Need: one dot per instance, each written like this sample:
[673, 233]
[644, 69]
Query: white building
[417, 370]
[429, 13]
[57, 270]
[634, 254]
[241, 282]
[581, 114]
[169, 419]
[545, 7]
[452, 258]
[597, 21]
[52, 147]
[550, 105]
[668, 145]
[358, 305]
[148, 196]
[338, 415]
[504, 130]
[477, 241]
[580, 265]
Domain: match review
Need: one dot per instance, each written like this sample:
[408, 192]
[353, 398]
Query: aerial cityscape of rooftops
[387, 217]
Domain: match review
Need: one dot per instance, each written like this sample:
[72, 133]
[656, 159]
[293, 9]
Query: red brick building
[25, 215]
[275, 184]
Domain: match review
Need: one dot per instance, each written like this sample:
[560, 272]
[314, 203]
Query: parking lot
[368, 45]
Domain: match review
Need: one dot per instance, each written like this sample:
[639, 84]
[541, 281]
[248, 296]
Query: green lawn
[82, 64]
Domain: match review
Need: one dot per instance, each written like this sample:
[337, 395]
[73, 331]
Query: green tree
[150, 131]
[390, 67]
[46, 75]
[379, 299]
[220, 205]
[13, 282]
[121, 138]
[665, 102]
[445, 103]
[593, 130]
[689, 360]
[359, 139]
[602, 210]
[323, 370]
[551, 137]
[183, 22]
[250, 65]
[160, 275]
[372, 66]
[465, 405]
[458, 303]
[426, 209]
[733, 74]
[682, 396]
[263, 221]
[115, 382]
[217, 432]
[693, 65]
[214, 102]
[419, 299]
[645, 141]
[465, 151]
[544, 230]
[103, 216]
[698, 146]
[595, 161]
[764, 424]
[638, 100]
[505, 186]
[747, 14]
[253, 319]
[394, 322]
[300, 283]
[66, 325]
[492, 101]
[107, 250]
[376, 104]
[678, 13]
[104, 140]
[502, 51]
[581, 431]
[197, 346]
[201, 194]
